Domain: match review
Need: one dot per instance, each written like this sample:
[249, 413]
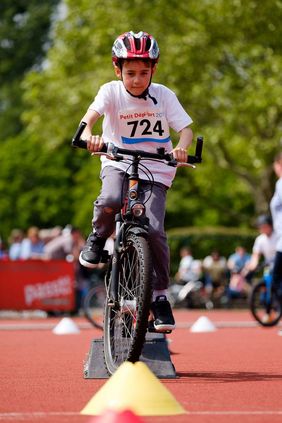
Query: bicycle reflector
[138, 209]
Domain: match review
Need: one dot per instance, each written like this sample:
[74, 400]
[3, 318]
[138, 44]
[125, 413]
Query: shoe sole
[164, 328]
[86, 263]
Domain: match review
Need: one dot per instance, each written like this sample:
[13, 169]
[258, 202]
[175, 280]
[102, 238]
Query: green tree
[24, 35]
[226, 72]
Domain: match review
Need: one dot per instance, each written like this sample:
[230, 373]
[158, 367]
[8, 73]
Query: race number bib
[148, 126]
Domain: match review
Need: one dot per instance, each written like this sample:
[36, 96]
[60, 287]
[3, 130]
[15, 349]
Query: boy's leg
[155, 211]
[106, 206]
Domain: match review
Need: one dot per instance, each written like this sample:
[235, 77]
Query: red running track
[231, 375]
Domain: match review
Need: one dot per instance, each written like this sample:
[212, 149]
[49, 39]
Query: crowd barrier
[37, 285]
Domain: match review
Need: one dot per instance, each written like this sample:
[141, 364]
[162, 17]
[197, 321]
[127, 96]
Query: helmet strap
[144, 95]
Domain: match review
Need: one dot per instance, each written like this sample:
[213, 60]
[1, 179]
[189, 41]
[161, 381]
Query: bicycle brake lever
[108, 150]
[99, 153]
[182, 164]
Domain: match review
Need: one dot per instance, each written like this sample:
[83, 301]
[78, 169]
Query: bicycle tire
[94, 301]
[125, 324]
[267, 312]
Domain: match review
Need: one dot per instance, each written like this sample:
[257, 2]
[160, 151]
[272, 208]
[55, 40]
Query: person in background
[67, 246]
[264, 245]
[15, 241]
[215, 274]
[238, 287]
[276, 212]
[184, 273]
[3, 252]
[32, 247]
[238, 260]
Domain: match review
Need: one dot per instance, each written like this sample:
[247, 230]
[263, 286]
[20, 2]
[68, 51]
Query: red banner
[36, 285]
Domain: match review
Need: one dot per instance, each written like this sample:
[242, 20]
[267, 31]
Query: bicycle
[264, 302]
[128, 279]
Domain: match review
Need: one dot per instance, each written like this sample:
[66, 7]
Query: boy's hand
[180, 154]
[94, 143]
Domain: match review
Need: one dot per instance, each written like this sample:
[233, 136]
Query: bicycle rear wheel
[125, 323]
[93, 303]
[265, 306]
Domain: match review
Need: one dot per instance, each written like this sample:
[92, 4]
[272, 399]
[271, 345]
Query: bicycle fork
[268, 293]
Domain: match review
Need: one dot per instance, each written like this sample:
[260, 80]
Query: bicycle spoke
[126, 322]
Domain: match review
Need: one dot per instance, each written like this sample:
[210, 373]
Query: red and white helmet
[135, 46]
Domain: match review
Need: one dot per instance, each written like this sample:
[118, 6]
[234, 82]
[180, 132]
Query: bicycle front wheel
[265, 305]
[125, 322]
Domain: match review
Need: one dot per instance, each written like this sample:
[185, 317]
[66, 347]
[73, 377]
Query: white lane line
[37, 414]
[37, 326]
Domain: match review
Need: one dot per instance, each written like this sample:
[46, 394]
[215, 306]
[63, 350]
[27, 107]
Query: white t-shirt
[139, 124]
[266, 245]
[276, 212]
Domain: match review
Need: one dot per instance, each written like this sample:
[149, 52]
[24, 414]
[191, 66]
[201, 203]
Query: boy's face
[136, 75]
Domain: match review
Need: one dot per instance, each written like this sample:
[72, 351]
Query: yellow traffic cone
[133, 386]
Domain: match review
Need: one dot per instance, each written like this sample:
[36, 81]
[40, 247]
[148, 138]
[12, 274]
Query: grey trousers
[109, 202]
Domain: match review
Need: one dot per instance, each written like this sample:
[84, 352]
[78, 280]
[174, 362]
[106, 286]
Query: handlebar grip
[76, 141]
[199, 148]
[198, 153]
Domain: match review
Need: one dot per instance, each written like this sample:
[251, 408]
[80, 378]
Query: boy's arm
[185, 140]
[94, 142]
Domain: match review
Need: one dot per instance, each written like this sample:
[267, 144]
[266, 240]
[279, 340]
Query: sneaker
[164, 320]
[92, 252]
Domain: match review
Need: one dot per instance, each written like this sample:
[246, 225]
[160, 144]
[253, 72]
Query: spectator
[238, 286]
[48, 234]
[15, 242]
[32, 247]
[184, 272]
[66, 245]
[238, 260]
[215, 273]
[3, 252]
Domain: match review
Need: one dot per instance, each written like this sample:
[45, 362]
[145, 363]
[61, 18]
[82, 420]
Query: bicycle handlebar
[161, 154]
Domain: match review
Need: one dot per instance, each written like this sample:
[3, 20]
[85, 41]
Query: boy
[137, 115]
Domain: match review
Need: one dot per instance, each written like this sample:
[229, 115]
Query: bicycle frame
[125, 220]
[267, 278]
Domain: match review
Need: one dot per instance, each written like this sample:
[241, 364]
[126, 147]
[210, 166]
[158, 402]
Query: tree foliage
[222, 58]
[24, 35]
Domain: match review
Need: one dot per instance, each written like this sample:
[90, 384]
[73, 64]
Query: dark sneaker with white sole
[92, 252]
[164, 320]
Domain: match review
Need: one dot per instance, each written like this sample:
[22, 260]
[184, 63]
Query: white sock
[158, 292]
